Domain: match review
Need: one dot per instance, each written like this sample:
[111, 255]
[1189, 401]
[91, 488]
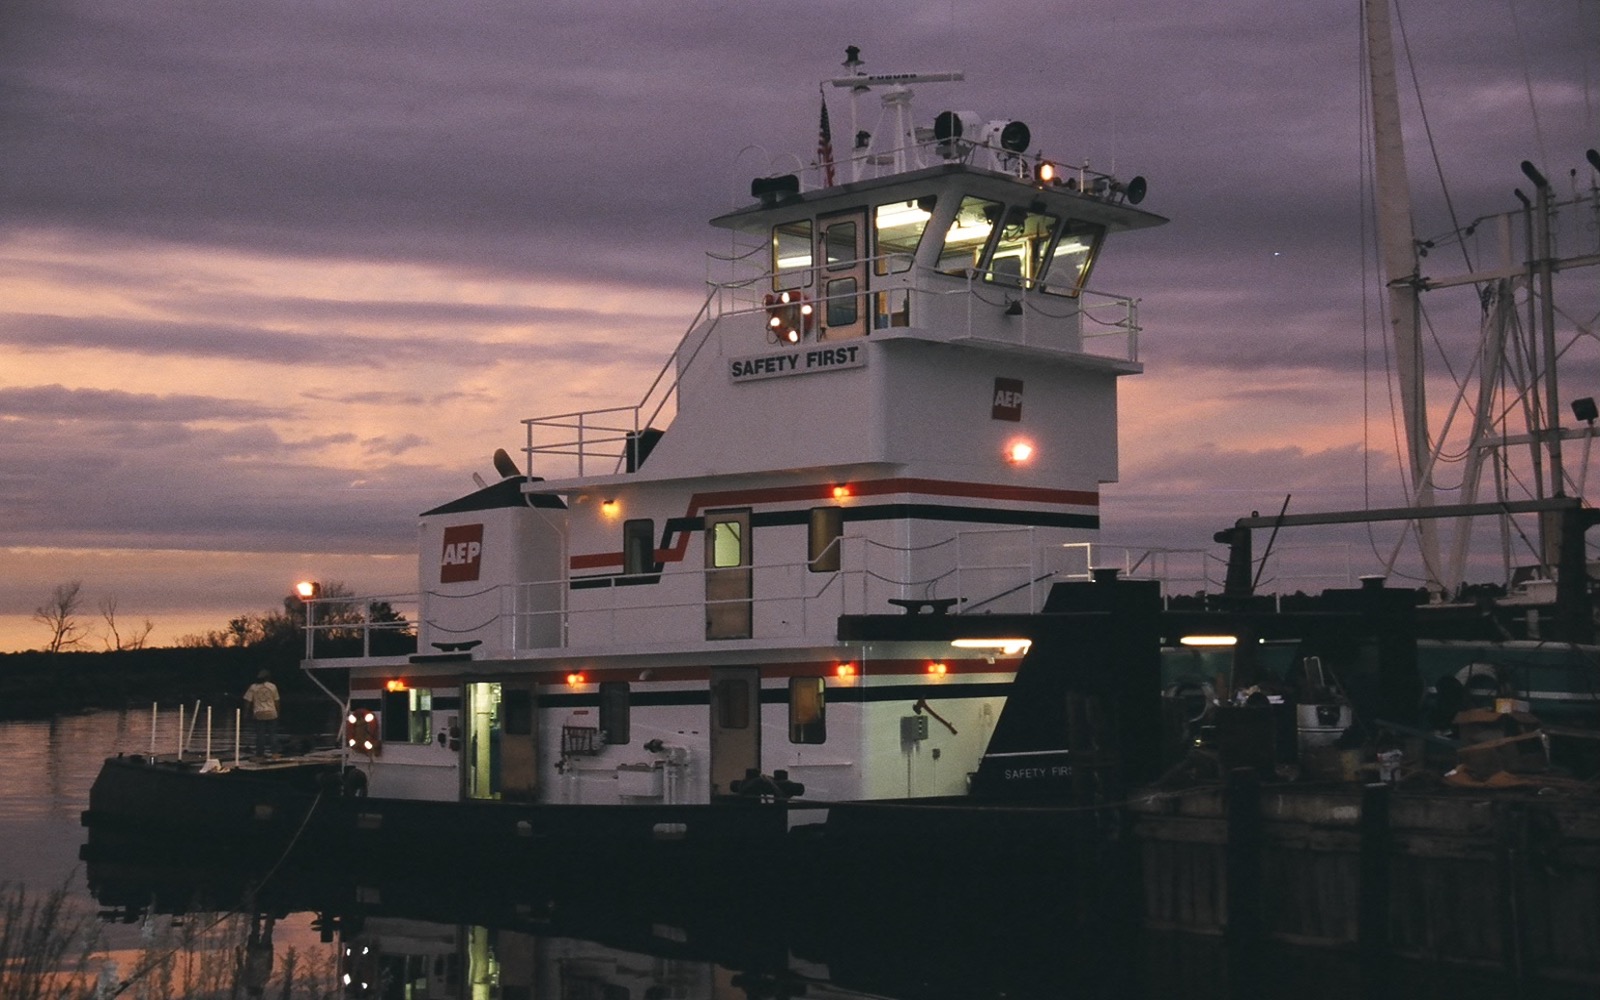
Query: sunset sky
[275, 277]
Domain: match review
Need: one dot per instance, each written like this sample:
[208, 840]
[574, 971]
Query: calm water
[918, 948]
[46, 769]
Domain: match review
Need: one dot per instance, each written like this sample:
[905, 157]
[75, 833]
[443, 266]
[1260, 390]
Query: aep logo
[1007, 399]
[463, 551]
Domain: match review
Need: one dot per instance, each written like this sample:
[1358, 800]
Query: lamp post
[1584, 409]
[308, 591]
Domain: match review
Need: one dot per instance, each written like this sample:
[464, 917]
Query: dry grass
[47, 952]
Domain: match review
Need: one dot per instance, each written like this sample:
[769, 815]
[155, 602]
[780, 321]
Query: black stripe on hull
[864, 513]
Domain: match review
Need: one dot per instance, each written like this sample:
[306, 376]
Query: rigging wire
[151, 964]
[1367, 156]
[1527, 82]
[1427, 129]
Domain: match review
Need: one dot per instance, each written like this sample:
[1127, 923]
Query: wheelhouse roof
[1054, 198]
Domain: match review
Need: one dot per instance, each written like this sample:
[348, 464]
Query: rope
[152, 964]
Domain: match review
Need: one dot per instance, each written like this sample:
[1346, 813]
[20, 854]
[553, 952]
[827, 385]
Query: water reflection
[426, 935]
[927, 926]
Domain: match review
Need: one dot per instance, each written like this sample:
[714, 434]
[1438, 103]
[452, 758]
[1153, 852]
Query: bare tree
[114, 641]
[141, 635]
[60, 615]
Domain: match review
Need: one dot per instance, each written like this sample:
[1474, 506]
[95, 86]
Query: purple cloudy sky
[277, 276]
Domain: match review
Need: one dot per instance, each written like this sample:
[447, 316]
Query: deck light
[841, 491]
[575, 679]
[308, 590]
[845, 671]
[1019, 452]
[1008, 645]
[397, 684]
[1209, 640]
[938, 669]
[608, 508]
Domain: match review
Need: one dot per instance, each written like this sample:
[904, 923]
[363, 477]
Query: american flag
[825, 145]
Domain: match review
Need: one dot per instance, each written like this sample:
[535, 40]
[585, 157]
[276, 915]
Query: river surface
[924, 951]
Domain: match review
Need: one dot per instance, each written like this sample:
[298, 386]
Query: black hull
[307, 814]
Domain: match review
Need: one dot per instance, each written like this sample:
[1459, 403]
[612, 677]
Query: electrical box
[913, 728]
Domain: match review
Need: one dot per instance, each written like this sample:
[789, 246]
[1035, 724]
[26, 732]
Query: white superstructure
[901, 400]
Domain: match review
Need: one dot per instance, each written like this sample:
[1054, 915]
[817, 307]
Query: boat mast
[1398, 246]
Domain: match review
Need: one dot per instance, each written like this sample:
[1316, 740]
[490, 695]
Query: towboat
[898, 400]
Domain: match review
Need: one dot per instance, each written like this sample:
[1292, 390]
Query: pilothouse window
[969, 235]
[1072, 257]
[899, 227]
[1019, 254]
[839, 241]
[791, 255]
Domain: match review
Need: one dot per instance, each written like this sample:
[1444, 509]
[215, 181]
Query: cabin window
[898, 227]
[968, 235]
[808, 721]
[614, 707]
[638, 546]
[842, 301]
[732, 699]
[791, 255]
[516, 711]
[1067, 269]
[839, 243]
[1019, 253]
[407, 716]
[826, 528]
[726, 550]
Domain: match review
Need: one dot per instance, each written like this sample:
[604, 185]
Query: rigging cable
[151, 964]
[1527, 82]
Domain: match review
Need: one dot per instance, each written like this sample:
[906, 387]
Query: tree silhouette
[60, 615]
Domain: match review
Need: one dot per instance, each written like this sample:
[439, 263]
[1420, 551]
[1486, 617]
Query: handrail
[995, 570]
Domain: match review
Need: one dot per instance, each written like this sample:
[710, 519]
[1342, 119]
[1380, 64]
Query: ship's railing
[376, 625]
[997, 570]
[986, 571]
[974, 305]
[600, 440]
[886, 162]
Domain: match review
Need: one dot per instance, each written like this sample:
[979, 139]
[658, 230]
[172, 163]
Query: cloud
[253, 255]
[57, 402]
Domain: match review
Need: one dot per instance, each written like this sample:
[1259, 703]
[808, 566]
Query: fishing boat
[900, 400]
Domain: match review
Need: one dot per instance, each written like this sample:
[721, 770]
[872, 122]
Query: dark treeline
[212, 669]
[35, 685]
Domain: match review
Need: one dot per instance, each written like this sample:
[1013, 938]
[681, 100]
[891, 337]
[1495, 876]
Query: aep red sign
[1007, 399]
[463, 552]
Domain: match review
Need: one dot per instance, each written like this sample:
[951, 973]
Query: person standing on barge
[262, 697]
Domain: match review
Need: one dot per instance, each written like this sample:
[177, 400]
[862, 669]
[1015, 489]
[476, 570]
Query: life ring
[790, 315]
